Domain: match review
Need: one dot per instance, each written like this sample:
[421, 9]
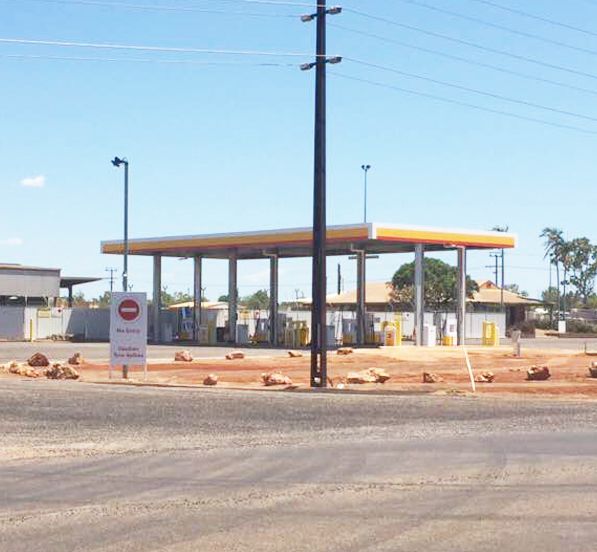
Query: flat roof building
[34, 285]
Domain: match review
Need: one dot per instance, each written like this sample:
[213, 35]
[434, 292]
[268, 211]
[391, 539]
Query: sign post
[128, 330]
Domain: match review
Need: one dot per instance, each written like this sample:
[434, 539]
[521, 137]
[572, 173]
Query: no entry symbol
[129, 310]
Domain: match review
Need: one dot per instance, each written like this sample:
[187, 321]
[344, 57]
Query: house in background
[489, 298]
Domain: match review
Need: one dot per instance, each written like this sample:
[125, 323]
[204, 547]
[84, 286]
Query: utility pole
[495, 267]
[111, 270]
[117, 161]
[502, 229]
[339, 278]
[319, 277]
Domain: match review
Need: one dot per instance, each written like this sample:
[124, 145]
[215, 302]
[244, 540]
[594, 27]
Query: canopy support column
[157, 298]
[232, 297]
[419, 293]
[70, 296]
[197, 273]
[461, 296]
[273, 300]
[361, 297]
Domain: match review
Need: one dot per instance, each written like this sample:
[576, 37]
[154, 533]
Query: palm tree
[554, 249]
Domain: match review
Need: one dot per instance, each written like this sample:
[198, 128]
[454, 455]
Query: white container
[451, 329]
[562, 326]
[429, 335]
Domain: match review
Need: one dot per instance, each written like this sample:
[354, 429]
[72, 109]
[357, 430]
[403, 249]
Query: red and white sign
[128, 329]
[129, 310]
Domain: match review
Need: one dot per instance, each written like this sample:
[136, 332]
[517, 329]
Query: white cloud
[11, 242]
[34, 182]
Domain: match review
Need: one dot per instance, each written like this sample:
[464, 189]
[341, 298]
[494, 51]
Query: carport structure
[359, 240]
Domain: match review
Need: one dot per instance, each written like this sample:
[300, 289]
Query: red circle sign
[129, 310]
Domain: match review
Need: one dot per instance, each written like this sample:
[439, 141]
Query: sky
[224, 143]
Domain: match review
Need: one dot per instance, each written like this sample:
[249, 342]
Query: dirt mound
[485, 377]
[210, 379]
[538, 373]
[76, 360]
[295, 354]
[60, 372]
[38, 360]
[183, 356]
[371, 375]
[23, 370]
[429, 377]
[345, 351]
[275, 378]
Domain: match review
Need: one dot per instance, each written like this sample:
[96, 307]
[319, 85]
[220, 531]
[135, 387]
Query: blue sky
[228, 147]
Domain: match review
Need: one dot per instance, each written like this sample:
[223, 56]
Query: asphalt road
[10, 350]
[57, 350]
[99, 468]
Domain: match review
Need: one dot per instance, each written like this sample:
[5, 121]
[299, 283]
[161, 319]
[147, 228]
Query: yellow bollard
[389, 333]
[31, 337]
[398, 324]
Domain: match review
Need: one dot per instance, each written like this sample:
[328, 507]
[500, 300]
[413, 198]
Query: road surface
[105, 468]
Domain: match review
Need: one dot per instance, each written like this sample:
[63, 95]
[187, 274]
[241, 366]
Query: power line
[465, 104]
[142, 60]
[499, 27]
[465, 60]
[535, 17]
[154, 7]
[471, 44]
[474, 90]
[106, 46]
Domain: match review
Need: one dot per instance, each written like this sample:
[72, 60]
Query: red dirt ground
[406, 366]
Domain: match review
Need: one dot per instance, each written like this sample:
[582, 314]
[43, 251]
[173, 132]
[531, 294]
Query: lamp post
[117, 161]
[365, 170]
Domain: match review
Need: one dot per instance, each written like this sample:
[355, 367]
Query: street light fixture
[365, 170]
[117, 162]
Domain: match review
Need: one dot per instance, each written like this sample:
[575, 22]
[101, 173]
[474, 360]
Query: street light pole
[319, 276]
[365, 170]
[117, 161]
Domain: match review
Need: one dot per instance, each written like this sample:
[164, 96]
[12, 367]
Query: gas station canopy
[297, 242]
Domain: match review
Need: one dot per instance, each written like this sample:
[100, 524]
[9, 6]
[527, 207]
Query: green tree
[104, 300]
[554, 249]
[581, 262]
[440, 284]
[175, 298]
[515, 288]
[79, 299]
[257, 301]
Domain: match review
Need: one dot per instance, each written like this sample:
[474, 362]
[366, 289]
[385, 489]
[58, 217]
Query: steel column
[232, 298]
[461, 296]
[157, 298]
[273, 300]
[197, 273]
[361, 297]
[419, 293]
[70, 296]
